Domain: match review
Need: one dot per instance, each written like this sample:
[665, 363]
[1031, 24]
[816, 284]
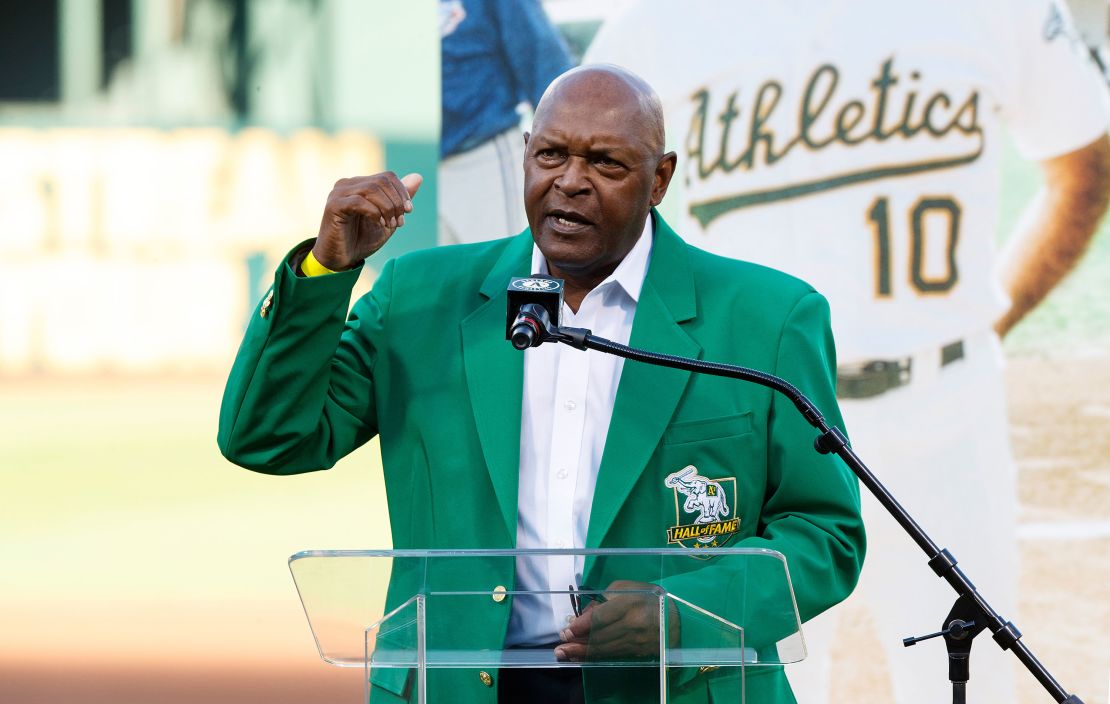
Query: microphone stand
[970, 614]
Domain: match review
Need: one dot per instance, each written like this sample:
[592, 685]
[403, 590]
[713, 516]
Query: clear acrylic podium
[430, 625]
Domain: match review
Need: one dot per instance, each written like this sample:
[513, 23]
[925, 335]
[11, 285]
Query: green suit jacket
[422, 361]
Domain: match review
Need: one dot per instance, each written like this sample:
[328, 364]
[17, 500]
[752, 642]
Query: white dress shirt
[568, 402]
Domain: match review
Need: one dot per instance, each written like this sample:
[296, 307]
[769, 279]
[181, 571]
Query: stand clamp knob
[957, 630]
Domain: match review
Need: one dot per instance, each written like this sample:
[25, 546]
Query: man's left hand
[625, 626]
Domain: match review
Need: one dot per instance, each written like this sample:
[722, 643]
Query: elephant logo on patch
[707, 503]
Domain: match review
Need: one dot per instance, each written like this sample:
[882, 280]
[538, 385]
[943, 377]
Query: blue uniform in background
[496, 54]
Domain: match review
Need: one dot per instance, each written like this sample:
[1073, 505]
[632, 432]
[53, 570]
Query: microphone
[535, 306]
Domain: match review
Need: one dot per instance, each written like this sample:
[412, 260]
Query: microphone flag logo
[536, 284]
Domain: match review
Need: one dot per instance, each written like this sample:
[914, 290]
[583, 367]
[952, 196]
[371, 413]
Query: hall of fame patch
[704, 519]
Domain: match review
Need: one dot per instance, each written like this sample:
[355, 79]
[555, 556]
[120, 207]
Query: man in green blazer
[423, 362]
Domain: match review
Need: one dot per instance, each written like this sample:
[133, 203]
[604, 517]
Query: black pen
[577, 599]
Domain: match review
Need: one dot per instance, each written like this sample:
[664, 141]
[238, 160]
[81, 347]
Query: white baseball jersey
[863, 158]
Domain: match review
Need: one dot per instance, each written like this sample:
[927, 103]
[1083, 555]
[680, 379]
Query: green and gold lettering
[853, 121]
[927, 118]
[695, 138]
[967, 117]
[907, 129]
[726, 117]
[849, 116]
[811, 112]
[761, 113]
[882, 84]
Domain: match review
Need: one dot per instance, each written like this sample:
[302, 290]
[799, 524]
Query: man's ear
[526, 136]
[664, 170]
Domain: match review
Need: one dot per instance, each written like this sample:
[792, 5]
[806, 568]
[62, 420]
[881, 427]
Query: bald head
[593, 168]
[600, 87]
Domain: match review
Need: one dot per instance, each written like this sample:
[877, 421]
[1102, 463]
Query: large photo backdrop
[160, 157]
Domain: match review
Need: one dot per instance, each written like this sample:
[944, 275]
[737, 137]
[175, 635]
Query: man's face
[590, 178]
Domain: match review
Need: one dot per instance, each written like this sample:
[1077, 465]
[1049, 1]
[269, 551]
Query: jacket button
[498, 595]
[486, 678]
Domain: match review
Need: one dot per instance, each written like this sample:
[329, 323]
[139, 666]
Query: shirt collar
[629, 274]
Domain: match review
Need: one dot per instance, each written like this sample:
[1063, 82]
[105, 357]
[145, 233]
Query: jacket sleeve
[811, 513]
[811, 509]
[301, 394]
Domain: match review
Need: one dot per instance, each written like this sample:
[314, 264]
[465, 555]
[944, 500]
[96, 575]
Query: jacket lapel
[495, 377]
[647, 395]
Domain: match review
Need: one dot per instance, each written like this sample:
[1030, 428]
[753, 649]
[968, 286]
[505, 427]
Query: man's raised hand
[361, 214]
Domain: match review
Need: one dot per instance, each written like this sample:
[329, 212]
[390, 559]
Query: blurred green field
[120, 518]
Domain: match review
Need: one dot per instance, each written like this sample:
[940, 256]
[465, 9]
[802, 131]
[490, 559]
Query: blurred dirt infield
[1060, 426]
[1060, 420]
[284, 683]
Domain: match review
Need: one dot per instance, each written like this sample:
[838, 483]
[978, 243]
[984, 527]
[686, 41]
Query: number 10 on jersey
[930, 217]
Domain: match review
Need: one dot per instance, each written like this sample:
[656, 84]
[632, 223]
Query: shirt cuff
[311, 267]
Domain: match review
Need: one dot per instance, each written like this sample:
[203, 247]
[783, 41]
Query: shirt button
[569, 618]
[560, 544]
[498, 594]
[487, 680]
[570, 405]
[562, 473]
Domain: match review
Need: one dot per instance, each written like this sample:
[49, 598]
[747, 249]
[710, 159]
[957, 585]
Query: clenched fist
[361, 214]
